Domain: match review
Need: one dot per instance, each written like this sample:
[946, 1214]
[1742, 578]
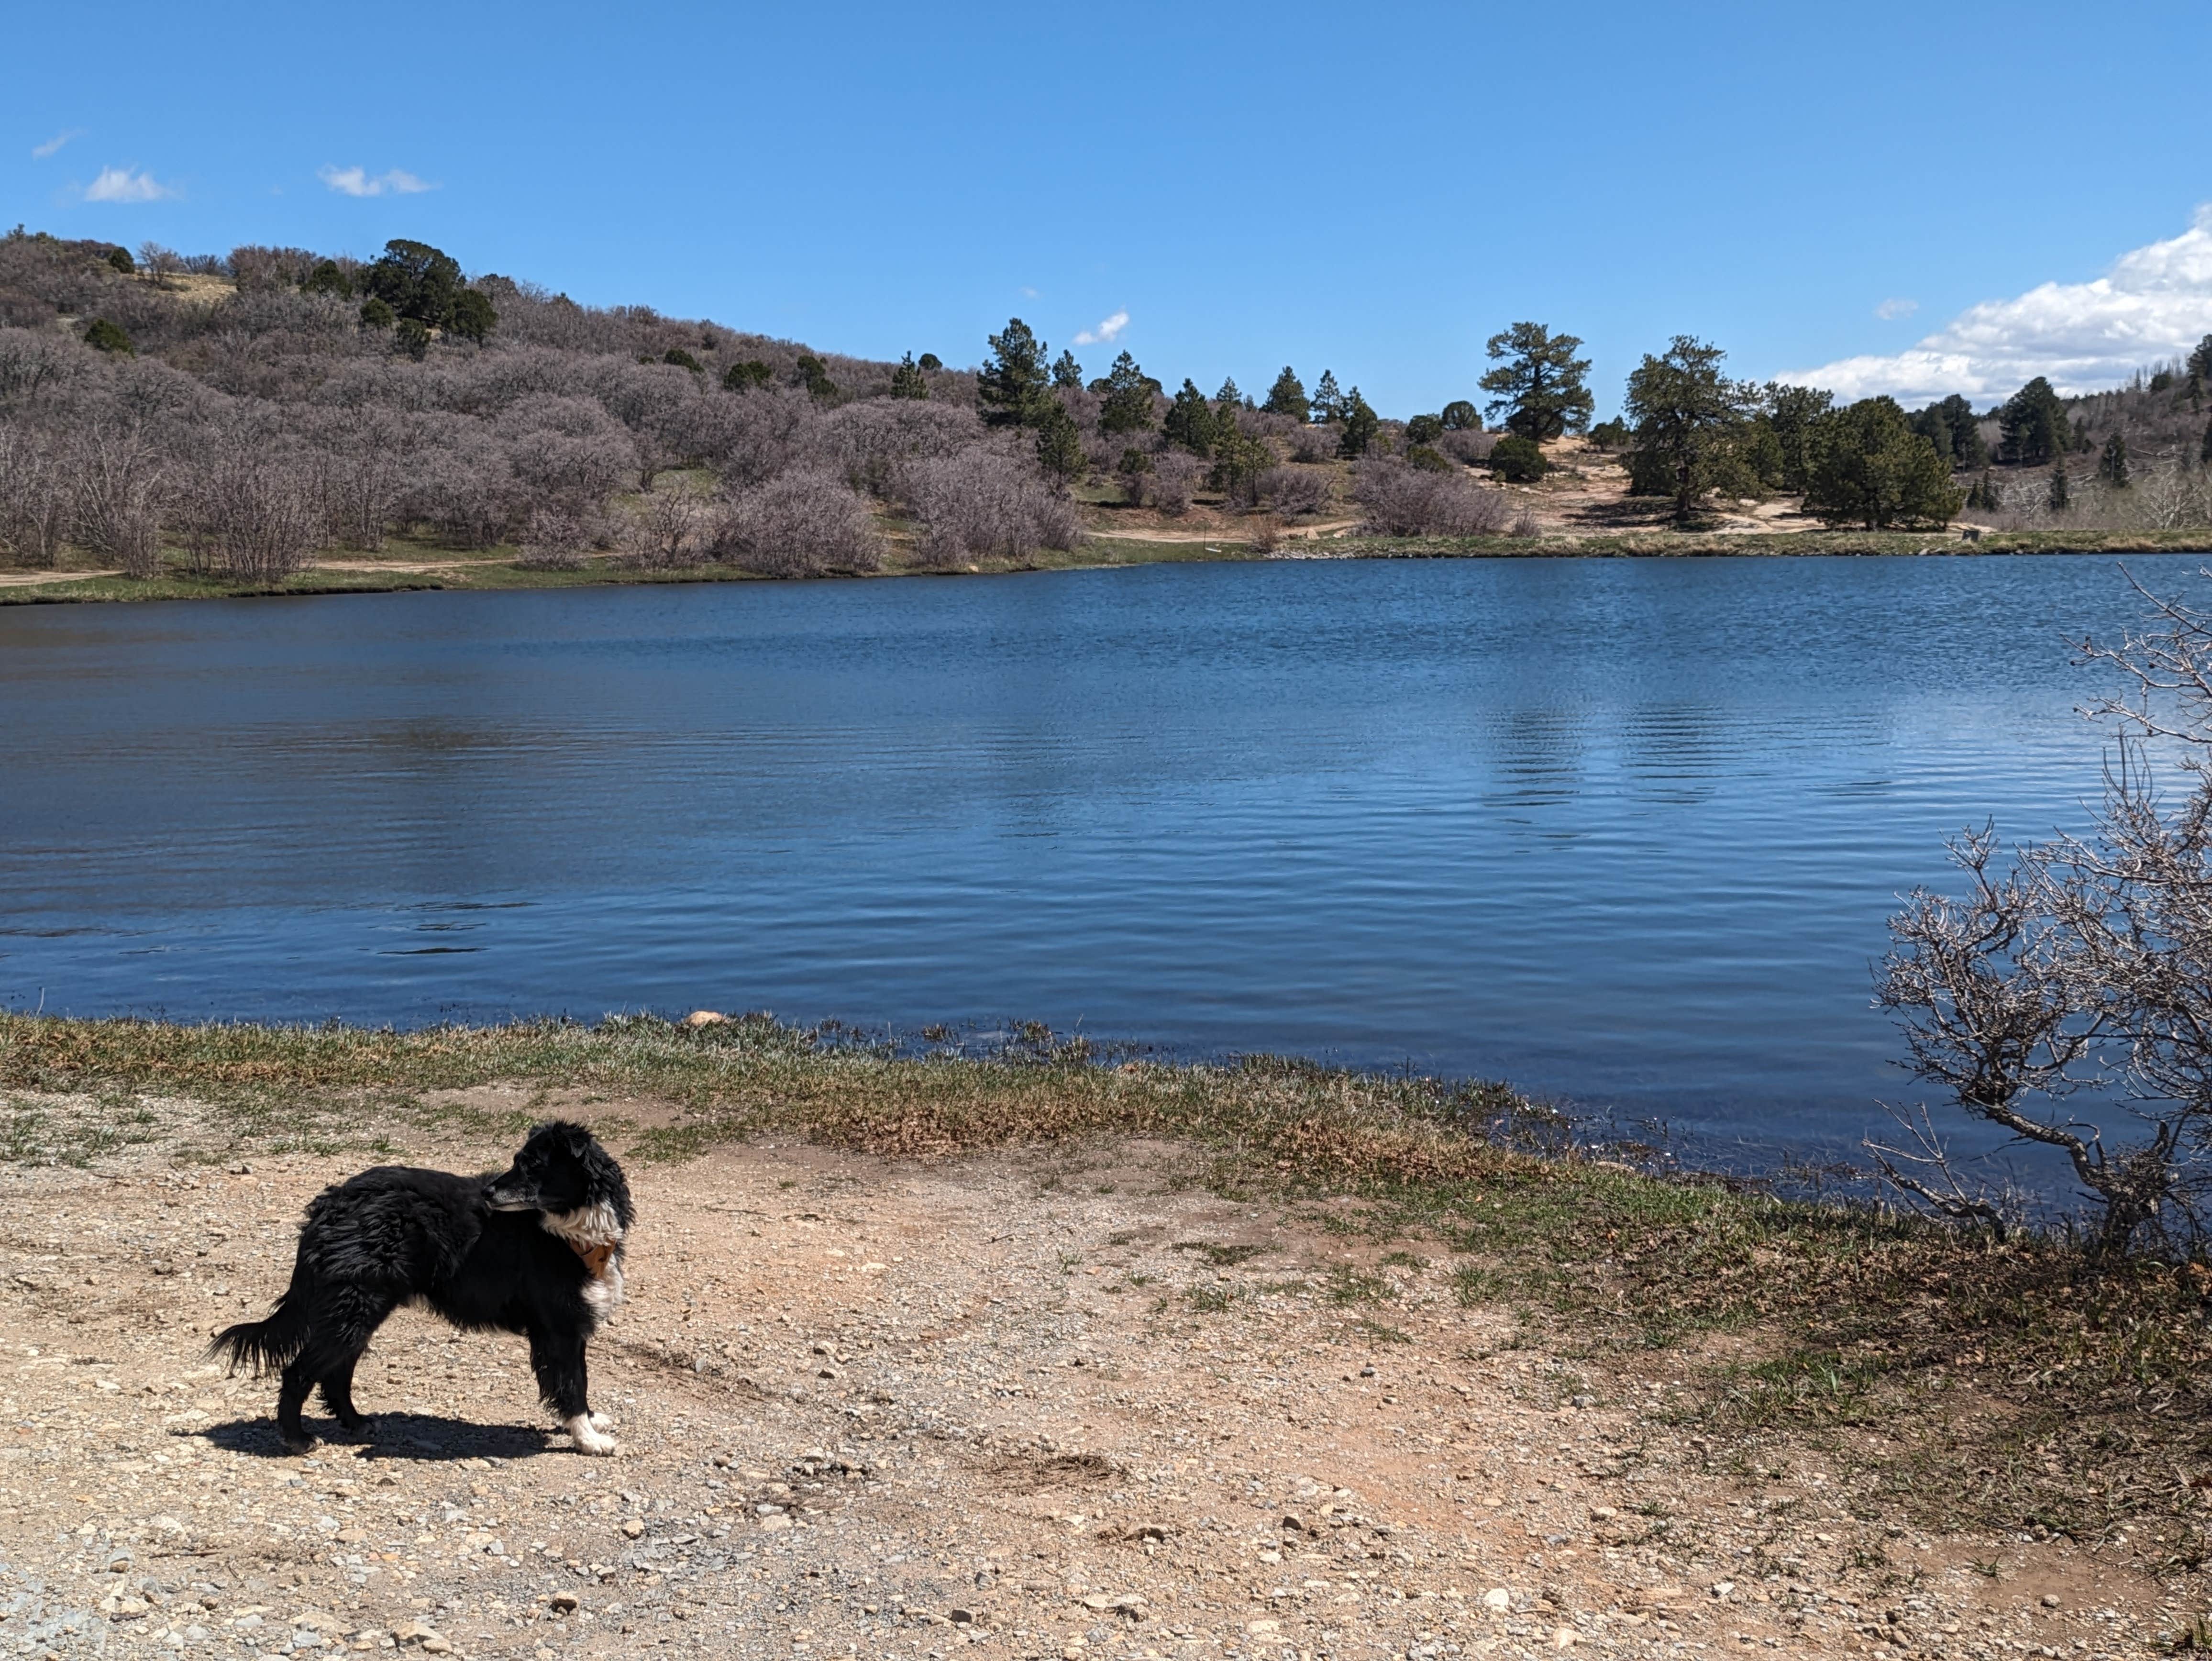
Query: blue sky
[1372, 191]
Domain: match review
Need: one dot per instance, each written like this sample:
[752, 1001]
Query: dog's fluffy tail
[268, 1345]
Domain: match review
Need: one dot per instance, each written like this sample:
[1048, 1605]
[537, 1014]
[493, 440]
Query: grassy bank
[2019, 1386]
[411, 569]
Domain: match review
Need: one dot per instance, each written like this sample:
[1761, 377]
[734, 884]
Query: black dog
[538, 1250]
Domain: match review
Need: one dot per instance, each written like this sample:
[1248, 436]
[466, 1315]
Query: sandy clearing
[1047, 1405]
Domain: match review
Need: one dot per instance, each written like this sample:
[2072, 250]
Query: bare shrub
[873, 444]
[120, 484]
[1313, 444]
[672, 528]
[1471, 449]
[567, 452]
[1295, 491]
[251, 515]
[461, 483]
[1525, 524]
[2066, 991]
[554, 540]
[34, 500]
[802, 524]
[1399, 500]
[983, 501]
[1172, 482]
[358, 476]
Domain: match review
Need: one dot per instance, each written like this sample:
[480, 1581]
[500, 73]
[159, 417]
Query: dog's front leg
[565, 1385]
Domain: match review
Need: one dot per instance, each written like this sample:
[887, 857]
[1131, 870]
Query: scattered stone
[699, 1018]
[1497, 1599]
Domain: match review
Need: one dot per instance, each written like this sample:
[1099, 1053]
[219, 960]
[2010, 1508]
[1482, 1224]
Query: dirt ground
[1044, 1404]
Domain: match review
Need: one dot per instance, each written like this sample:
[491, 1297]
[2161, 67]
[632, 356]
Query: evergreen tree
[410, 337]
[1518, 461]
[415, 280]
[1287, 397]
[1066, 372]
[120, 258]
[1424, 429]
[1984, 497]
[907, 380]
[683, 359]
[1327, 401]
[470, 316]
[1955, 430]
[1792, 412]
[1689, 418]
[1129, 392]
[1011, 386]
[1538, 382]
[814, 375]
[931, 362]
[745, 376]
[1228, 398]
[327, 279]
[2060, 497]
[2194, 391]
[2204, 450]
[1238, 461]
[1460, 416]
[2112, 464]
[1361, 423]
[103, 335]
[376, 315]
[1190, 421]
[1872, 468]
[2200, 360]
[1059, 445]
[2033, 424]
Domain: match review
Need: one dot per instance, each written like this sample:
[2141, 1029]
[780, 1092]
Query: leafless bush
[983, 501]
[116, 510]
[461, 484]
[251, 515]
[2071, 981]
[1400, 500]
[1525, 524]
[672, 528]
[1311, 444]
[252, 267]
[568, 452]
[554, 540]
[873, 444]
[1469, 447]
[802, 524]
[34, 500]
[358, 477]
[1295, 491]
[1172, 482]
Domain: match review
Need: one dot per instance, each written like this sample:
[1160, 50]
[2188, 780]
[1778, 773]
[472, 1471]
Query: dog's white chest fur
[595, 1234]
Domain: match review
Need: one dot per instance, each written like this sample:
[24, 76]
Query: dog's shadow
[388, 1436]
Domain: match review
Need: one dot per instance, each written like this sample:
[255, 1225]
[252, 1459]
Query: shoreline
[417, 570]
[2016, 1390]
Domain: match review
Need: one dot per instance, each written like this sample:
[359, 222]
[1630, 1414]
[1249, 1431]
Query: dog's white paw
[587, 1438]
[601, 1422]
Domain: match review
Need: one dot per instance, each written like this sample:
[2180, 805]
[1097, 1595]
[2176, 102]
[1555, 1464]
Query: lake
[1623, 831]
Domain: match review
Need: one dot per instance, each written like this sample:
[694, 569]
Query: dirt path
[1040, 1405]
[34, 579]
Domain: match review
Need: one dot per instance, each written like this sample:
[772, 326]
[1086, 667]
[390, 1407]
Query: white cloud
[2155, 303]
[1890, 310]
[40, 152]
[1107, 332]
[359, 181]
[125, 185]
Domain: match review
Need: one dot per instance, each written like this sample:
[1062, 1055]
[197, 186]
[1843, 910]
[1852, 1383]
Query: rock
[1294, 1522]
[699, 1018]
[1263, 1628]
[416, 1633]
[1499, 1599]
[770, 1525]
[564, 1602]
[1564, 1638]
[1722, 1590]
[632, 1527]
[2051, 1600]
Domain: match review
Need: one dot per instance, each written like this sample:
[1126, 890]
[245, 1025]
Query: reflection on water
[1624, 832]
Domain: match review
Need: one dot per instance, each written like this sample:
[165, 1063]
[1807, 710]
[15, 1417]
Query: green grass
[1946, 1377]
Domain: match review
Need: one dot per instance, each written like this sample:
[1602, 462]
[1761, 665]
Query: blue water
[1624, 832]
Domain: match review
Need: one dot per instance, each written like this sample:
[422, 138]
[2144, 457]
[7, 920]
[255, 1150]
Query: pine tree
[907, 380]
[931, 362]
[1690, 419]
[1189, 420]
[1066, 372]
[2204, 450]
[2061, 498]
[1460, 416]
[1327, 401]
[1228, 398]
[1539, 382]
[1287, 397]
[2112, 464]
[1059, 445]
[2034, 424]
[1872, 465]
[1011, 386]
[1984, 497]
[1129, 392]
[2199, 360]
[1361, 423]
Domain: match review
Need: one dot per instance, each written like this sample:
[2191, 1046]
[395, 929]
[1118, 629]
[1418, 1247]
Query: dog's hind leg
[351, 1317]
[291, 1397]
[564, 1382]
[337, 1393]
